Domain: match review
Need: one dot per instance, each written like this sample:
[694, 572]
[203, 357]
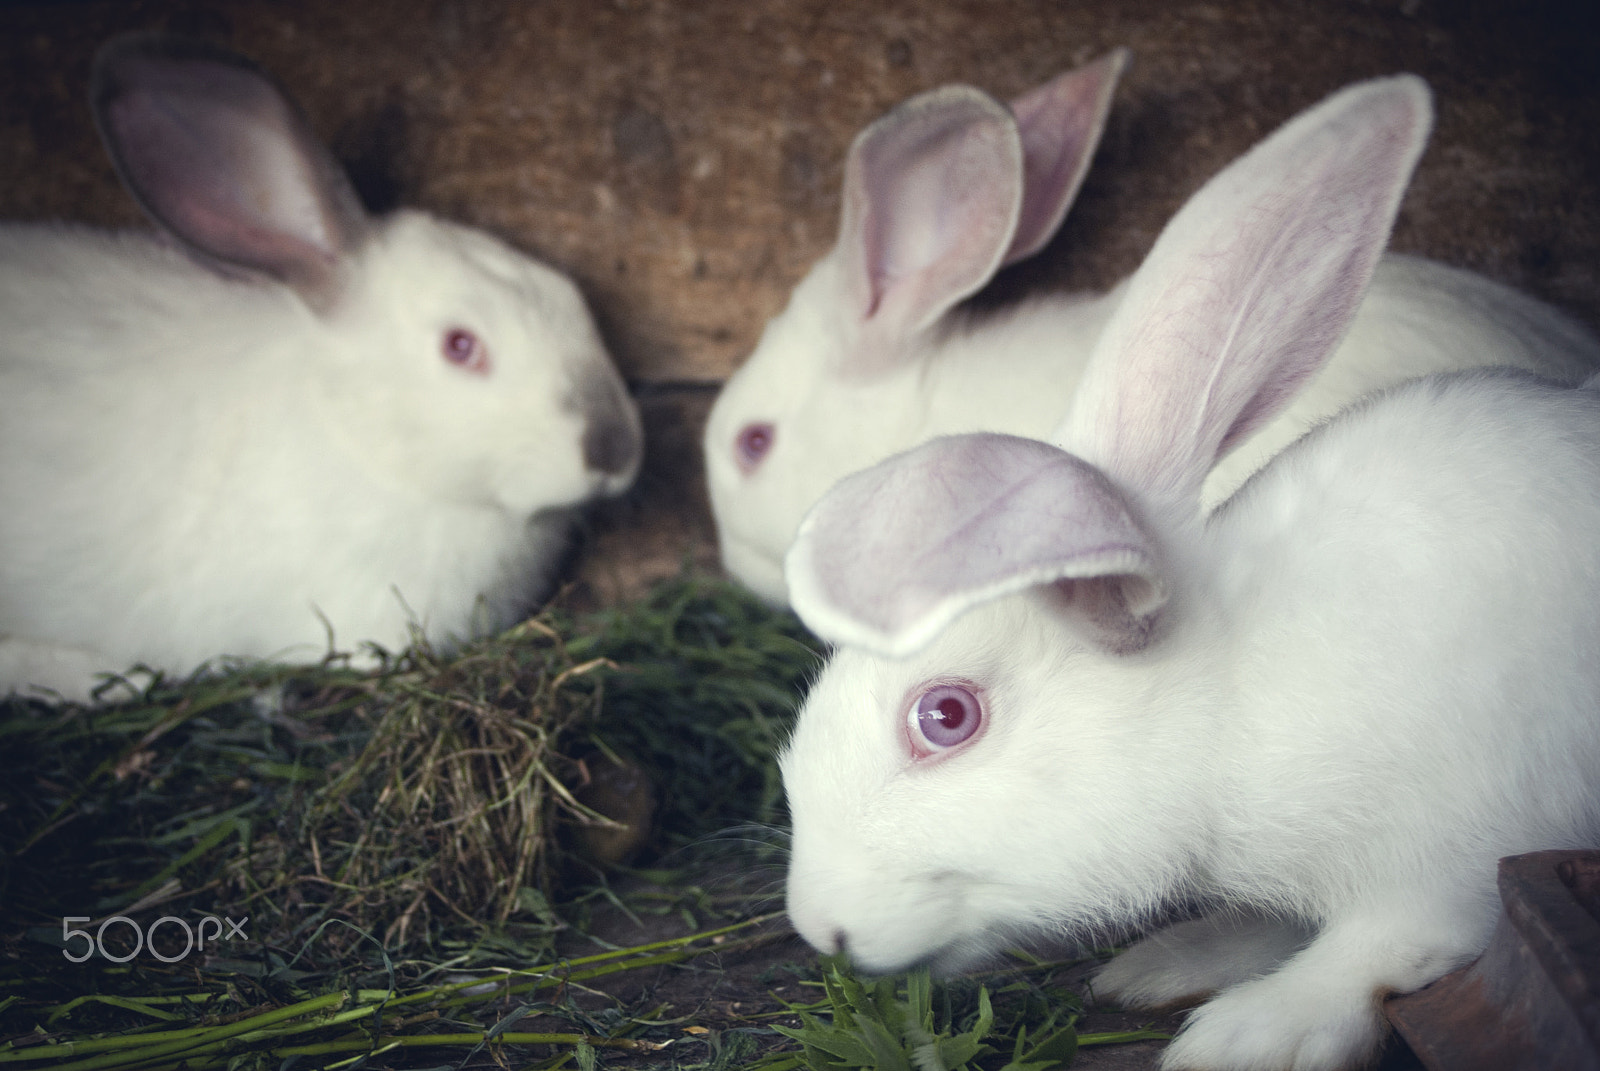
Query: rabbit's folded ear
[892, 554]
[1060, 123]
[222, 159]
[1247, 292]
[931, 196]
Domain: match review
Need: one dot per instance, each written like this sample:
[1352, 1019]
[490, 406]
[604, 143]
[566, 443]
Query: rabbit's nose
[613, 440]
[612, 447]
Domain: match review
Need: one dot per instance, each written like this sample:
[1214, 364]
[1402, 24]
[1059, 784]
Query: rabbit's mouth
[962, 954]
[754, 567]
[891, 926]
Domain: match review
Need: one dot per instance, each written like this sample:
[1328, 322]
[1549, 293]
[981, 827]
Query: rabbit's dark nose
[611, 446]
[613, 440]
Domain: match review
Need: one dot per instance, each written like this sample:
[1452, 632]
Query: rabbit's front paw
[1276, 1024]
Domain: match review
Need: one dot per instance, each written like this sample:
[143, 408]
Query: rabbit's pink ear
[1060, 123]
[1247, 291]
[931, 195]
[221, 158]
[892, 554]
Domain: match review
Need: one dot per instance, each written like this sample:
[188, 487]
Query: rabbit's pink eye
[465, 350]
[944, 716]
[752, 445]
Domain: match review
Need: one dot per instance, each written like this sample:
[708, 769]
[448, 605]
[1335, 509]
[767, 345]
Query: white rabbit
[304, 424]
[1069, 696]
[872, 355]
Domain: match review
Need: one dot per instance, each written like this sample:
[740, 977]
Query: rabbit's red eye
[752, 445]
[465, 350]
[944, 716]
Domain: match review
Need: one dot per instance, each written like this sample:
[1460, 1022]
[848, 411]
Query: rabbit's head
[939, 194]
[443, 360]
[458, 366]
[982, 791]
[1030, 635]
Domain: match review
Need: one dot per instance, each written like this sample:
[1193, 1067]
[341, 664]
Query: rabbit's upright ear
[931, 196]
[1060, 123]
[1248, 290]
[219, 156]
[892, 554]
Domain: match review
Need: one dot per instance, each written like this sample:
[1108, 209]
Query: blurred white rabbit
[283, 421]
[1068, 696]
[873, 355]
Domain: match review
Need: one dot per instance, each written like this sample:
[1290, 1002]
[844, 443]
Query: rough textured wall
[682, 159]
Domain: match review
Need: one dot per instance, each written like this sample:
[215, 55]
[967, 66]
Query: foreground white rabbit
[305, 423]
[869, 358]
[1067, 697]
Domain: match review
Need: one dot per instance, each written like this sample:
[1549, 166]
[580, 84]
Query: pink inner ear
[1060, 123]
[247, 212]
[1247, 292]
[892, 554]
[218, 156]
[931, 197]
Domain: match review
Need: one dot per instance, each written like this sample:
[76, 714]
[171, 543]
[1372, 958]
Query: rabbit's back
[105, 455]
[1420, 317]
[66, 289]
[1421, 588]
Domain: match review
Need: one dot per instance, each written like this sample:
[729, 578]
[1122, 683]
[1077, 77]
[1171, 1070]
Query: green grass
[912, 1023]
[434, 798]
[327, 1029]
[422, 850]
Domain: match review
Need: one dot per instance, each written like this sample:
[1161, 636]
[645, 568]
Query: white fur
[1373, 674]
[195, 465]
[1341, 729]
[818, 374]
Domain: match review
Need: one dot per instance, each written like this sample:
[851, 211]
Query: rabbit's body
[842, 380]
[1353, 796]
[1068, 696]
[202, 460]
[1014, 371]
[1344, 766]
[1309, 760]
[1281, 758]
